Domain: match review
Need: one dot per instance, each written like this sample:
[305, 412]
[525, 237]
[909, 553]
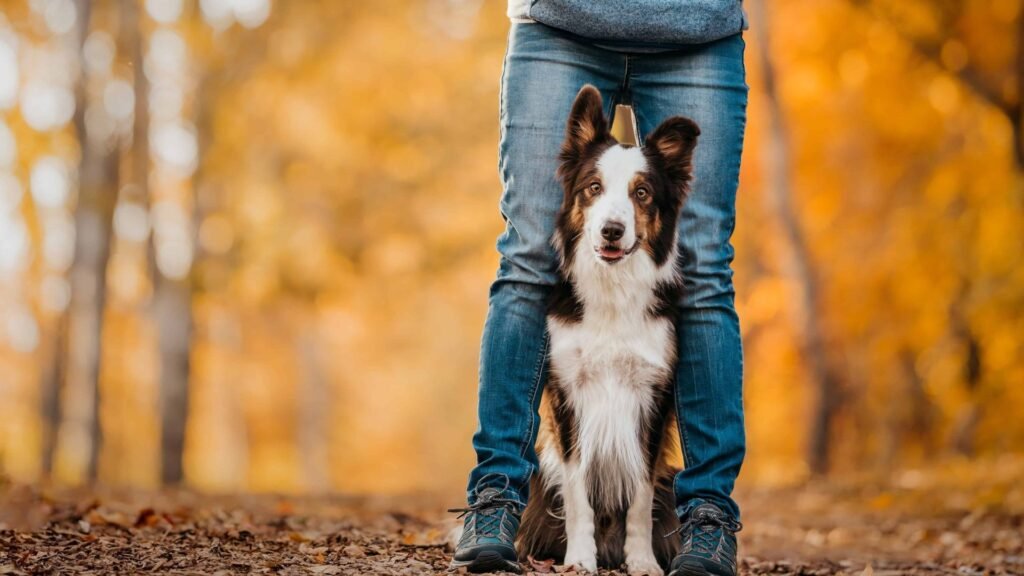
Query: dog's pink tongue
[609, 252]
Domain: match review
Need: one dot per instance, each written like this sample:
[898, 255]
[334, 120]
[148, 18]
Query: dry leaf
[541, 566]
[323, 569]
[285, 508]
[354, 551]
[146, 517]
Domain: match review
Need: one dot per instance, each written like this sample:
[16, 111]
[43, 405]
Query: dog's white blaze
[617, 167]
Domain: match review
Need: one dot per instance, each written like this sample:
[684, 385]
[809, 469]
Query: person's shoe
[489, 533]
[709, 542]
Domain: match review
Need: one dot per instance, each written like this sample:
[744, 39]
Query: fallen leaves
[541, 566]
[187, 534]
[805, 532]
[353, 551]
[433, 536]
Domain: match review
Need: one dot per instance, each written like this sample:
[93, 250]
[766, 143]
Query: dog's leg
[581, 548]
[639, 549]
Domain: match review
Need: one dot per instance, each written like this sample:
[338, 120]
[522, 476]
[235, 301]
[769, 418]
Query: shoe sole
[485, 562]
[686, 571]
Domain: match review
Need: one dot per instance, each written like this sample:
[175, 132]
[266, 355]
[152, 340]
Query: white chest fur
[609, 365]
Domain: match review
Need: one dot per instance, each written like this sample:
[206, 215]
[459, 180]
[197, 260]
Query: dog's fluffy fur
[603, 494]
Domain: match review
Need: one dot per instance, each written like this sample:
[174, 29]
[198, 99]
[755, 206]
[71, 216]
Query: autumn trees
[262, 235]
[886, 137]
[129, 63]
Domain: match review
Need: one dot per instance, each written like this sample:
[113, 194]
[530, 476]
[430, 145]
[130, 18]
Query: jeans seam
[637, 117]
[684, 443]
[624, 87]
[538, 377]
[503, 123]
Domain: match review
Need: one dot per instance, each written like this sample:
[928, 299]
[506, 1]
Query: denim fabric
[543, 71]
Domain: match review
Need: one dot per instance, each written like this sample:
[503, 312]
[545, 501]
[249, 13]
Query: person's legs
[543, 71]
[707, 84]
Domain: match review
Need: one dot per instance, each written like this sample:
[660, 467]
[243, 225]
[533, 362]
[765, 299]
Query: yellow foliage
[344, 211]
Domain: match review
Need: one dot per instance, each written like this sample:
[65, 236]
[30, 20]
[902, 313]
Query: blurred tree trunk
[796, 259]
[910, 420]
[54, 373]
[173, 306]
[97, 179]
[921, 424]
[962, 438]
[314, 399]
[966, 424]
[172, 298]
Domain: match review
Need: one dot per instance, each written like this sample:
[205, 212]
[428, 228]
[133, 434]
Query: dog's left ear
[672, 143]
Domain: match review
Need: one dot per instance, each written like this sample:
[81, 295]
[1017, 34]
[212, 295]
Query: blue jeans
[543, 71]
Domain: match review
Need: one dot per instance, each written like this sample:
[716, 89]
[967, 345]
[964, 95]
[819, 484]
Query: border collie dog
[603, 494]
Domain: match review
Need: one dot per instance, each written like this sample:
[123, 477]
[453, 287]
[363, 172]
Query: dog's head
[620, 199]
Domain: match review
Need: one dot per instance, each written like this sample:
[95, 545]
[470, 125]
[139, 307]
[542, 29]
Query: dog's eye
[641, 193]
[595, 188]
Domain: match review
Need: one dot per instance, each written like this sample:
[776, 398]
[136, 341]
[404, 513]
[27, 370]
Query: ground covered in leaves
[918, 524]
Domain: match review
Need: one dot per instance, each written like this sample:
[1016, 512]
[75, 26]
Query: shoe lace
[705, 529]
[489, 525]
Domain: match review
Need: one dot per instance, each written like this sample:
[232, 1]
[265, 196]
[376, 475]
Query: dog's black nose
[612, 231]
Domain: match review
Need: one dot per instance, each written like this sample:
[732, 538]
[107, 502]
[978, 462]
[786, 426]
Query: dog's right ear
[586, 126]
[672, 144]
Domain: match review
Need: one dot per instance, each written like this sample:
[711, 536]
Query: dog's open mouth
[612, 253]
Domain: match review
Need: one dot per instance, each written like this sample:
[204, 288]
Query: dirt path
[813, 531]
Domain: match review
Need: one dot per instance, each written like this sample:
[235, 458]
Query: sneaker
[709, 542]
[489, 533]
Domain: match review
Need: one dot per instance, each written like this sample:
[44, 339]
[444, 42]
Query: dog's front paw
[644, 565]
[585, 561]
[583, 565]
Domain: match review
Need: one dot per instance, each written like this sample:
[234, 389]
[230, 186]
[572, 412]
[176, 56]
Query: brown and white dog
[603, 494]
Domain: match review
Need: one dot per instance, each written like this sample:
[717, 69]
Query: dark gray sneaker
[489, 533]
[709, 542]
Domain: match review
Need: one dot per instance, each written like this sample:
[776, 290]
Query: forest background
[247, 246]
